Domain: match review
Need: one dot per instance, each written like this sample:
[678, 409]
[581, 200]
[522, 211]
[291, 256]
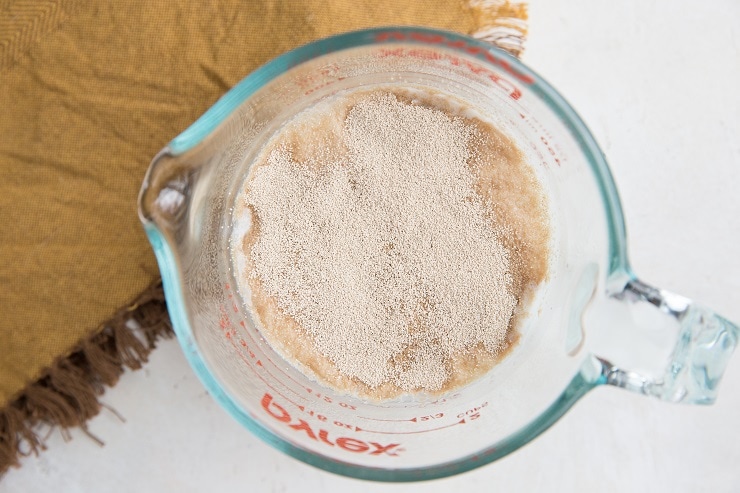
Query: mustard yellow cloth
[89, 92]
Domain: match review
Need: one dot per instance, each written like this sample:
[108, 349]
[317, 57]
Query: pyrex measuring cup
[592, 322]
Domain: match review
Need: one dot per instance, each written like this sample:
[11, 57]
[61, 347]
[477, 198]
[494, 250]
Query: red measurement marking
[389, 420]
[229, 331]
[329, 400]
[244, 344]
[505, 84]
[472, 413]
[461, 422]
[430, 417]
[226, 320]
[260, 376]
[313, 413]
[442, 400]
[287, 375]
[324, 84]
[387, 52]
[241, 355]
[260, 364]
[350, 444]
[550, 149]
[345, 425]
[227, 326]
[321, 396]
[424, 54]
[459, 44]
[417, 419]
[324, 419]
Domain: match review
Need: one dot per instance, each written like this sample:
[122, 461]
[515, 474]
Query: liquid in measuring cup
[387, 242]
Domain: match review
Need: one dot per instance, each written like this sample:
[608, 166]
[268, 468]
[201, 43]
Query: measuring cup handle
[704, 344]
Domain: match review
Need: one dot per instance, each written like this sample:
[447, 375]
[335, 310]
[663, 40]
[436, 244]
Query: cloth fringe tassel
[67, 393]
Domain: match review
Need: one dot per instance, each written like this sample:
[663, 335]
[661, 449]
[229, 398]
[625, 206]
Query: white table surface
[659, 85]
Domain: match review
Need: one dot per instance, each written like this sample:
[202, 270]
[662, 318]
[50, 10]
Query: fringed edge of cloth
[67, 393]
[503, 23]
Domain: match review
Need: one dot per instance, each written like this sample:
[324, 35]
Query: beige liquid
[504, 180]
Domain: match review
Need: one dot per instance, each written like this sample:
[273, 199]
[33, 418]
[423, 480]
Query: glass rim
[486, 53]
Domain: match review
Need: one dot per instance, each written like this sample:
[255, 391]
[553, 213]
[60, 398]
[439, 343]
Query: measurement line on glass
[242, 356]
[259, 362]
[326, 419]
[461, 422]
[228, 328]
[235, 308]
[416, 419]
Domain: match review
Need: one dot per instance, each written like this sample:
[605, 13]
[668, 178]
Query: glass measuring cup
[593, 322]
